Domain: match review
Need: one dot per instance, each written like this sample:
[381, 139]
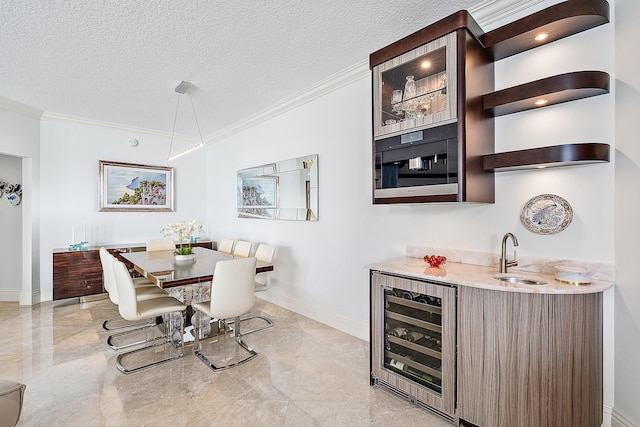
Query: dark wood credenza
[79, 273]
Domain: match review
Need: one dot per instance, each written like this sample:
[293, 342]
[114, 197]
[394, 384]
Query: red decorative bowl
[435, 260]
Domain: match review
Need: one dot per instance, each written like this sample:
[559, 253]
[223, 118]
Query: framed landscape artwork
[127, 187]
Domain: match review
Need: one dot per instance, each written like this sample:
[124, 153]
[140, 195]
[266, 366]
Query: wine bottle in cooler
[410, 295]
[413, 336]
[399, 364]
[399, 332]
[391, 292]
[422, 299]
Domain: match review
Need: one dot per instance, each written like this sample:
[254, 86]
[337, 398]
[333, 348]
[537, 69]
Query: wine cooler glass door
[413, 338]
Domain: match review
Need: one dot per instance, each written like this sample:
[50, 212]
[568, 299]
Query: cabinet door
[413, 339]
[417, 89]
[527, 359]
[76, 274]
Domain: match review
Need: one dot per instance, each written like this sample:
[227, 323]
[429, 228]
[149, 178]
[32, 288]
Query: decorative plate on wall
[546, 214]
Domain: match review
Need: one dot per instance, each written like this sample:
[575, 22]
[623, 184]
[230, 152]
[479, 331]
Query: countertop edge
[477, 276]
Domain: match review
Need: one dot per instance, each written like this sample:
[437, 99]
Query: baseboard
[319, 314]
[33, 297]
[10, 295]
[96, 297]
[618, 420]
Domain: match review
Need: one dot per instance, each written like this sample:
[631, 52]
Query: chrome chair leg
[269, 323]
[169, 340]
[127, 324]
[113, 337]
[236, 336]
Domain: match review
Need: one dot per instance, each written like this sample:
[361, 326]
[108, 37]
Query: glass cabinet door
[417, 89]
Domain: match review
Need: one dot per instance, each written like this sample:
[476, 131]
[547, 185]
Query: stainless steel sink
[519, 280]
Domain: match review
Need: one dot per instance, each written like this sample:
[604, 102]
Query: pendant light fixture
[181, 89]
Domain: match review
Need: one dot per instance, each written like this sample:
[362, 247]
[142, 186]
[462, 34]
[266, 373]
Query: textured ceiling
[119, 61]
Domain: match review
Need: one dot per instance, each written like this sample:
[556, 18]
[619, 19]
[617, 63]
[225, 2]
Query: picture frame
[130, 187]
[257, 197]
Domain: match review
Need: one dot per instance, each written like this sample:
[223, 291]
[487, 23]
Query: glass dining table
[164, 270]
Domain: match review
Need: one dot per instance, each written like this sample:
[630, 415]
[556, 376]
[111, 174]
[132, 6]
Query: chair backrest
[226, 246]
[106, 259]
[128, 303]
[232, 288]
[265, 253]
[242, 249]
[160, 245]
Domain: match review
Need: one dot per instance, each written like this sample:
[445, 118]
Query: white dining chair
[128, 334]
[265, 254]
[232, 295]
[226, 246]
[242, 249]
[161, 245]
[132, 308]
[117, 323]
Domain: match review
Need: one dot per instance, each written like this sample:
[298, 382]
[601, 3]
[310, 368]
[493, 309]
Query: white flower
[183, 230]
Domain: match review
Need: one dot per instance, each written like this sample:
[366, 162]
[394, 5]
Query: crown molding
[133, 129]
[17, 107]
[332, 83]
[489, 11]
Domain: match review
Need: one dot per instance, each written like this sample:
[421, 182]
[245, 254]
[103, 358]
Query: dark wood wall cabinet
[79, 273]
[430, 128]
[434, 104]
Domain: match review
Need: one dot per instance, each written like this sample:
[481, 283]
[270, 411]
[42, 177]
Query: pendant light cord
[196, 117]
[175, 117]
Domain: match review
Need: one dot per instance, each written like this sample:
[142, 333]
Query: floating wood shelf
[558, 21]
[552, 90]
[552, 156]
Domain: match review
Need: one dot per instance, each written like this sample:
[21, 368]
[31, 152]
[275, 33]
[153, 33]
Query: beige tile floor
[306, 374]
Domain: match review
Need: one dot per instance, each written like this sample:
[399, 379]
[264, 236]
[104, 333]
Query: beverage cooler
[413, 340]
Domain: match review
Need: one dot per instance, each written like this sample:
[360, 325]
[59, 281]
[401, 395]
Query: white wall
[70, 187]
[627, 204]
[20, 137]
[11, 232]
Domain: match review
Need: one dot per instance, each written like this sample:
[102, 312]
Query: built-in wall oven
[413, 340]
[420, 163]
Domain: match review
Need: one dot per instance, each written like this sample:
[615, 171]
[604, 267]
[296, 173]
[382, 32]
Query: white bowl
[573, 275]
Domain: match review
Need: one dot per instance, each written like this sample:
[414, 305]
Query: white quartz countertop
[479, 276]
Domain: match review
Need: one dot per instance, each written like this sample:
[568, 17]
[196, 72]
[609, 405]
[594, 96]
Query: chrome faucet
[504, 262]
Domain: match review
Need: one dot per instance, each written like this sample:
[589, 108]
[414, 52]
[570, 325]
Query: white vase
[182, 258]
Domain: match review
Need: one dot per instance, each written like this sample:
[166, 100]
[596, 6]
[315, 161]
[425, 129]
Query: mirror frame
[262, 190]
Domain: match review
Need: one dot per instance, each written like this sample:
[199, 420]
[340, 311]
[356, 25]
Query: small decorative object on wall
[546, 214]
[14, 192]
[287, 189]
[127, 187]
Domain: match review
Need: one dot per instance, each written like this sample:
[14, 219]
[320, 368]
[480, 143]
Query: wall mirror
[286, 189]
